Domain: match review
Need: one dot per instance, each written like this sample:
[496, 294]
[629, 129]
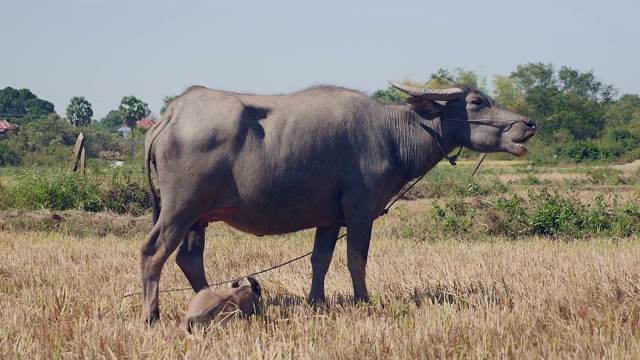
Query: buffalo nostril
[531, 124]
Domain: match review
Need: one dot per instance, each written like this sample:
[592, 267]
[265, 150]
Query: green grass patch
[116, 190]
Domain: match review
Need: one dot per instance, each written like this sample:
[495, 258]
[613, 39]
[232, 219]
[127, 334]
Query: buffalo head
[472, 118]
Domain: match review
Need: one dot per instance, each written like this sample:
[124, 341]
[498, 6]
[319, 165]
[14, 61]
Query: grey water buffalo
[325, 158]
[207, 305]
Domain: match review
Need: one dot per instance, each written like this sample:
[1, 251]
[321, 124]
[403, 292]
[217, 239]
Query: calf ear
[426, 108]
[255, 286]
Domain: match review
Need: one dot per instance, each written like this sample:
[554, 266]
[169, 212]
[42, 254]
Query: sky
[105, 50]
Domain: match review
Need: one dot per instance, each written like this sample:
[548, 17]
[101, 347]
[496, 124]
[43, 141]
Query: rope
[232, 280]
[384, 212]
[454, 158]
[481, 121]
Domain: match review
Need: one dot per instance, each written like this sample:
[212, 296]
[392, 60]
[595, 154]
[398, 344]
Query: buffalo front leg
[189, 257]
[323, 246]
[358, 239]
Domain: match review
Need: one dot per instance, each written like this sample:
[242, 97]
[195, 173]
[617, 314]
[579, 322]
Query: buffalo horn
[430, 94]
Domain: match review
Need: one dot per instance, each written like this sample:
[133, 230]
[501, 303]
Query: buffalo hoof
[317, 303]
[152, 318]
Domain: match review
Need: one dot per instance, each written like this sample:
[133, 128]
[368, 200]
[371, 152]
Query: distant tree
[112, 122]
[23, 106]
[389, 95]
[621, 134]
[532, 75]
[48, 132]
[506, 93]
[79, 112]
[8, 156]
[625, 112]
[567, 104]
[463, 76]
[167, 100]
[45, 141]
[100, 143]
[132, 109]
[584, 85]
[577, 114]
[11, 103]
[440, 80]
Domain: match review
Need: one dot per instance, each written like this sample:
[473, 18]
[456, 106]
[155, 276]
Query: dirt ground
[629, 167]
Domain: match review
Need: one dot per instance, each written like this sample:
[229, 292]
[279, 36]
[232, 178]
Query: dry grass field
[62, 295]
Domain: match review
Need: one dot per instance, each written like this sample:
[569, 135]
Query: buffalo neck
[416, 141]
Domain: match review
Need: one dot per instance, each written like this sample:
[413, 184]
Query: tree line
[43, 137]
[579, 117]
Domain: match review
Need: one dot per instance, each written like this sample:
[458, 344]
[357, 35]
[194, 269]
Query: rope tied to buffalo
[384, 212]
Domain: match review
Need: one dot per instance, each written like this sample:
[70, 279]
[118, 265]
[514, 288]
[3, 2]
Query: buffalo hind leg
[156, 248]
[358, 239]
[189, 257]
[323, 246]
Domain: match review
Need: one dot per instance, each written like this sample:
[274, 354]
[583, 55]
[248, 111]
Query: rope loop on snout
[482, 121]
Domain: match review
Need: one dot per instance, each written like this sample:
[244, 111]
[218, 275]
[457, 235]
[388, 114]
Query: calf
[207, 305]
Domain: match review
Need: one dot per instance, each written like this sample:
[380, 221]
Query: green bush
[8, 156]
[552, 214]
[508, 217]
[549, 214]
[55, 190]
[583, 150]
[457, 216]
[116, 190]
[123, 193]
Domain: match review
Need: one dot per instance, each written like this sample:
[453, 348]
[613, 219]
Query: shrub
[124, 193]
[458, 216]
[55, 190]
[555, 215]
[116, 190]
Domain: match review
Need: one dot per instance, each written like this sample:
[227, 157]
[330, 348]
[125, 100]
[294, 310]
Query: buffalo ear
[426, 108]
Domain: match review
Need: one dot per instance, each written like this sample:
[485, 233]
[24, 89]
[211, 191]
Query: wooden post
[478, 162]
[78, 154]
[83, 158]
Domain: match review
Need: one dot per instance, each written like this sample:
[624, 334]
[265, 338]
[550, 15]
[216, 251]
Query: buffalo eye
[476, 102]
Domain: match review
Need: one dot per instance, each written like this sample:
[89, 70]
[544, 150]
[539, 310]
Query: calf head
[208, 306]
[472, 119]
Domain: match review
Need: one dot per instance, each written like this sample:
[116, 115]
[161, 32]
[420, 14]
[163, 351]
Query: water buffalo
[207, 305]
[324, 157]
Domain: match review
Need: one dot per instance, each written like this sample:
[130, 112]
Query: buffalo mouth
[520, 148]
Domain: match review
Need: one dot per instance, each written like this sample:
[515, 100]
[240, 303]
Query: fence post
[478, 162]
[78, 155]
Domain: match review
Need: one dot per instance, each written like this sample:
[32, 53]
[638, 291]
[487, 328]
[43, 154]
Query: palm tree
[131, 110]
[79, 112]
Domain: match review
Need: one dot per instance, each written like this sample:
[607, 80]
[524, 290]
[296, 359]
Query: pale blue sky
[104, 50]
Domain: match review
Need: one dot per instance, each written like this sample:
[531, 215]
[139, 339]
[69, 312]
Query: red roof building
[4, 126]
[145, 123]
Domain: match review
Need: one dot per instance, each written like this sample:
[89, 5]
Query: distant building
[145, 123]
[124, 130]
[5, 126]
